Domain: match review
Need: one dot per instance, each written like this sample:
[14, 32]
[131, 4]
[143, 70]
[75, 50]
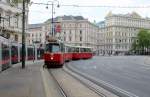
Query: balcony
[4, 26]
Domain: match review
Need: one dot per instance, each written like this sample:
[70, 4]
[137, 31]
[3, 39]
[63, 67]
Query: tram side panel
[0, 57]
[5, 56]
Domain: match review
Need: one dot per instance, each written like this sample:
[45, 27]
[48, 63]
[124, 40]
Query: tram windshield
[53, 48]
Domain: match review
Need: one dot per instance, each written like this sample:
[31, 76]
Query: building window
[80, 38]
[9, 20]
[0, 17]
[70, 32]
[69, 38]
[80, 32]
[80, 25]
[16, 37]
[16, 21]
[7, 35]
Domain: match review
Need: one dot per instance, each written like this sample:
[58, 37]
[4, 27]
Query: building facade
[36, 33]
[118, 32]
[75, 30]
[11, 20]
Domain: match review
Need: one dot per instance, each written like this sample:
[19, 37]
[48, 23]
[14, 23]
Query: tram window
[77, 50]
[55, 48]
[73, 49]
[82, 49]
[14, 50]
[69, 49]
[88, 50]
[52, 48]
[62, 48]
[5, 52]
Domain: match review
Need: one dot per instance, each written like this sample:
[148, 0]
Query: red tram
[4, 54]
[56, 53]
[53, 55]
[11, 53]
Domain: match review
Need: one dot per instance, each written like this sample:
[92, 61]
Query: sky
[39, 13]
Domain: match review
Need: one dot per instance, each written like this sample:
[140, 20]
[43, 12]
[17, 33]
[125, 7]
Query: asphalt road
[129, 73]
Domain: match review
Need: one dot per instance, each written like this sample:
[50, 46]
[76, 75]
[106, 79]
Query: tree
[142, 42]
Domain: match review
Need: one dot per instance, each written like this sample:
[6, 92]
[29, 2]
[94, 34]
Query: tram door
[30, 52]
[14, 54]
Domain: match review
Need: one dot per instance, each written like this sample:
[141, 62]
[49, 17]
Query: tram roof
[78, 46]
[53, 40]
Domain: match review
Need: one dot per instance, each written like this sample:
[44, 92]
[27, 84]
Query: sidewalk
[18, 82]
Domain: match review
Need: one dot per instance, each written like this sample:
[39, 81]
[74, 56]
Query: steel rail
[83, 82]
[58, 85]
[115, 90]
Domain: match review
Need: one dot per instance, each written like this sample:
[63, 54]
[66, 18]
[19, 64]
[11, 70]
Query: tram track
[88, 83]
[71, 86]
[61, 90]
[65, 80]
[115, 90]
[85, 83]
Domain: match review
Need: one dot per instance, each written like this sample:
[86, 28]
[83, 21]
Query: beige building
[118, 31]
[36, 33]
[75, 30]
[11, 20]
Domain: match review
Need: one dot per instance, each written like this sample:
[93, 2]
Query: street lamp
[52, 3]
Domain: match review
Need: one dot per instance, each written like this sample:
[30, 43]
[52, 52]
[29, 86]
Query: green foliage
[134, 45]
[143, 40]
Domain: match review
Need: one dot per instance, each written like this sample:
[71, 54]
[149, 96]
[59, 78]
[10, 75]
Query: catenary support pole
[23, 35]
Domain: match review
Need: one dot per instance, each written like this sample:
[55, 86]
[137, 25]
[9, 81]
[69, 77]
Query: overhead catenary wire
[103, 6]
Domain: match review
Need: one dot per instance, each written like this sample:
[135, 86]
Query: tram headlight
[52, 58]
